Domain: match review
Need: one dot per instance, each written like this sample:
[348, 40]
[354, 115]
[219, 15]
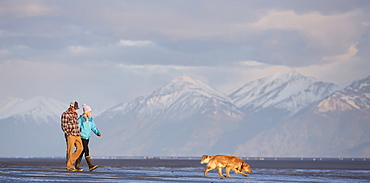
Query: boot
[77, 164]
[91, 166]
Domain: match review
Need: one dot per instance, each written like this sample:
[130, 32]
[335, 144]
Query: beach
[157, 169]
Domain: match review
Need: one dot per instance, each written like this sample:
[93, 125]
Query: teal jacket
[86, 125]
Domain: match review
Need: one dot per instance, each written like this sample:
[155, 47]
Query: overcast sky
[107, 52]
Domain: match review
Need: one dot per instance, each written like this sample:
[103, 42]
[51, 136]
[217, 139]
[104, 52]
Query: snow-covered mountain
[354, 97]
[10, 101]
[172, 120]
[189, 118]
[32, 128]
[38, 109]
[289, 92]
[338, 126]
[180, 98]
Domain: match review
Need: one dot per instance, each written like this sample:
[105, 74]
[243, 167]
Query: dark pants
[85, 144]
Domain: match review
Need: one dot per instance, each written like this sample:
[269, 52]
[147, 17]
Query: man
[72, 134]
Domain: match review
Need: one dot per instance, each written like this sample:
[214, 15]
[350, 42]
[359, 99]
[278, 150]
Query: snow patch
[38, 109]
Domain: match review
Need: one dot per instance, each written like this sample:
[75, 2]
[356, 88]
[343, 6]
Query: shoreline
[292, 163]
[181, 170]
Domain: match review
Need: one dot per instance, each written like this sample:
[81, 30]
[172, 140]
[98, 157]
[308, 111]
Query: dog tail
[205, 159]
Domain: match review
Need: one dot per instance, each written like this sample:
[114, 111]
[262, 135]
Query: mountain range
[282, 115]
[184, 117]
[336, 126]
[31, 128]
[290, 92]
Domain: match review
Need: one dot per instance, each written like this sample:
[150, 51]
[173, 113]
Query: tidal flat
[157, 169]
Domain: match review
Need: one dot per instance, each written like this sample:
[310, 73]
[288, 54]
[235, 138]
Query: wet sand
[183, 170]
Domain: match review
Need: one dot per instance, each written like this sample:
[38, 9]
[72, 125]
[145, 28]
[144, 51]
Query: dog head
[205, 159]
[245, 167]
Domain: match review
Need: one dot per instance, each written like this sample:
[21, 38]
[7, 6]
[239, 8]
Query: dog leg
[228, 171]
[220, 172]
[207, 170]
[243, 174]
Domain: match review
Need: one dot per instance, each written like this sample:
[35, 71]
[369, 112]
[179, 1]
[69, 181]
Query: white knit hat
[86, 108]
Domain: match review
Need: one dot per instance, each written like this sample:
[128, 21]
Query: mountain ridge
[40, 109]
[172, 115]
[331, 128]
[177, 91]
[189, 118]
[289, 91]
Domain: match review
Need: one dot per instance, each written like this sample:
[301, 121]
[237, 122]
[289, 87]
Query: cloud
[24, 9]
[339, 72]
[251, 63]
[225, 44]
[134, 43]
[352, 51]
[148, 69]
[79, 49]
[322, 28]
[296, 39]
[4, 52]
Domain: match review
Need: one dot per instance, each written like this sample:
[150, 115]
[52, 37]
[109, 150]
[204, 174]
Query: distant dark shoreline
[198, 158]
[261, 163]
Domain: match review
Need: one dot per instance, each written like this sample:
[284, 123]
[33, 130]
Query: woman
[87, 124]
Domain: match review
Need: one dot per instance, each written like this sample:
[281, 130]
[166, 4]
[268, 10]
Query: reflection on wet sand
[184, 170]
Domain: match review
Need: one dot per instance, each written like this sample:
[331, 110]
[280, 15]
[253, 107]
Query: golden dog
[227, 162]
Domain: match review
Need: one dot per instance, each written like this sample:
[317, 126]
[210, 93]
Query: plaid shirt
[70, 124]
